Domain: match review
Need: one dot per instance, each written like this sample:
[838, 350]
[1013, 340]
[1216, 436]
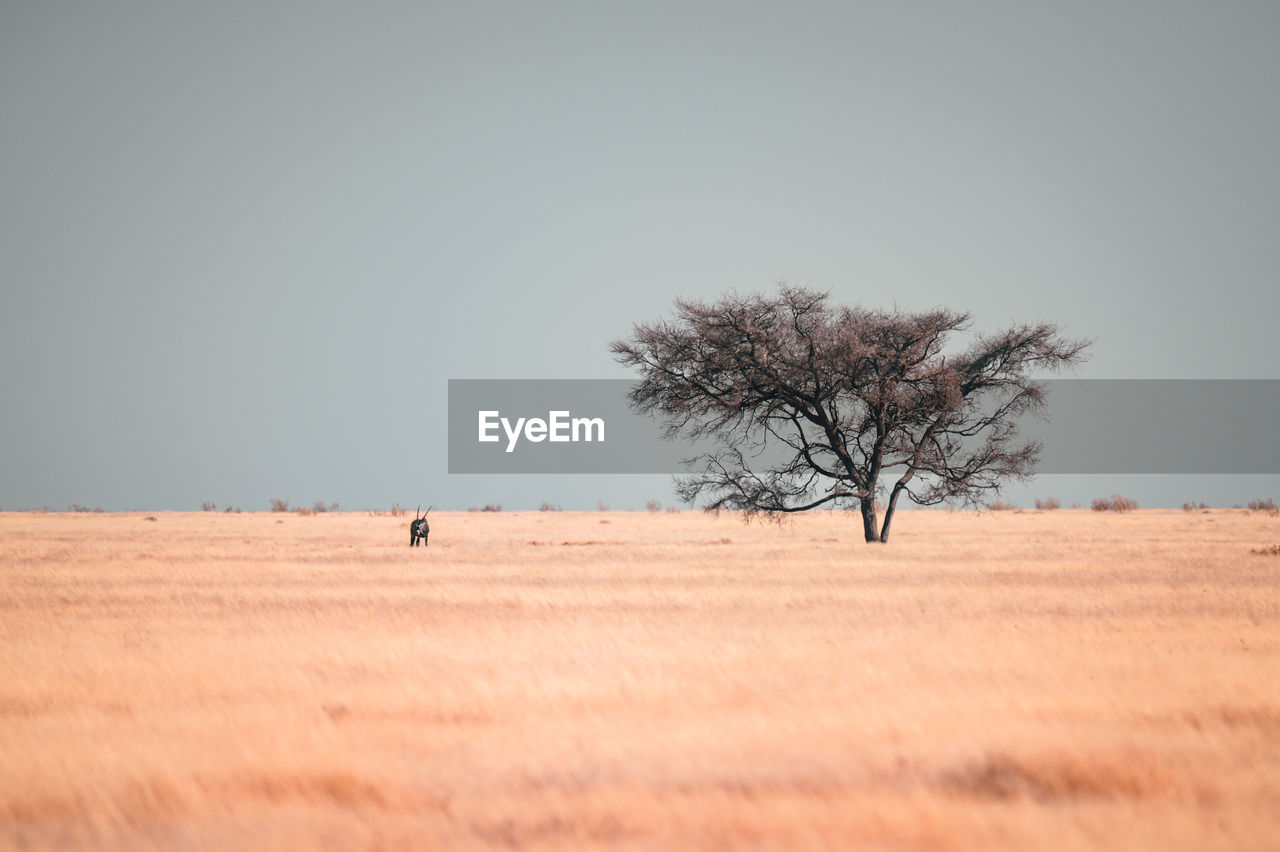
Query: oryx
[418, 529]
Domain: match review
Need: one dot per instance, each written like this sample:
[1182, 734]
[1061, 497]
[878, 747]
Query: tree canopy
[811, 404]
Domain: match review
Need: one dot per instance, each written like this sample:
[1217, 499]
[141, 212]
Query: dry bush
[492, 507]
[231, 509]
[1048, 504]
[673, 510]
[1270, 550]
[602, 506]
[1114, 503]
[1268, 505]
[396, 511]
[278, 505]
[208, 506]
[548, 507]
[1193, 506]
[1122, 504]
[654, 505]
[303, 510]
[1000, 506]
[320, 506]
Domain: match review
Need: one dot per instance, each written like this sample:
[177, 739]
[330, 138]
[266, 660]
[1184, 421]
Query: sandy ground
[1064, 679]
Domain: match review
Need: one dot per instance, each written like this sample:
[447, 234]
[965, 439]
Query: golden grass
[1066, 679]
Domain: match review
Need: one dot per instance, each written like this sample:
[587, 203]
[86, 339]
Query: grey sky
[243, 246]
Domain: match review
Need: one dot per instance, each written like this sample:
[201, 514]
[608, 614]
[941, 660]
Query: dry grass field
[1067, 679]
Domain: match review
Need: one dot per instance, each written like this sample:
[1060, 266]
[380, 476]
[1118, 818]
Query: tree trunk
[868, 505]
[888, 513]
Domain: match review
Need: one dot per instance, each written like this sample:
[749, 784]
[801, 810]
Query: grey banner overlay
[1118, 426]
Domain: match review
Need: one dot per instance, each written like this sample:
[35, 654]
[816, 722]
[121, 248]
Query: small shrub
[492, 507]
[548, 507]
[229, 510]
[602, 506]
[1193, 506]
[999, 506]
[396, 511]
[654, 506]
[673, 510]
[1048, 505]
[278, 505]
[206, 506]
[303, 510]
[76, 507]
[1122, 504]
[1271, 550]
[1115, 503]
[1268, 505]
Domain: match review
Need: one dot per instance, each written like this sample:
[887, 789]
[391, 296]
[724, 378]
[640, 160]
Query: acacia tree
[809, 404]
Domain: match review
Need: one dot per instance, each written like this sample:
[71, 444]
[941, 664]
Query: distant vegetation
[1114, 503]
[1268, 505]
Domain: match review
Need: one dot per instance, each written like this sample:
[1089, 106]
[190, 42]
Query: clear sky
[243, 246]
